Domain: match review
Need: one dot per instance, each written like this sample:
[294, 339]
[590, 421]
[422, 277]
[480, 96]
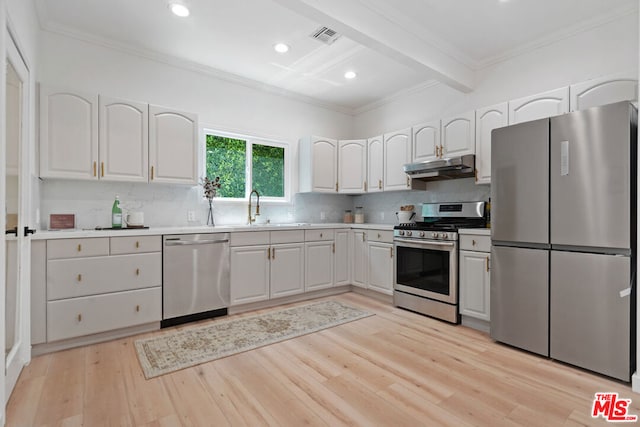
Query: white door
[533, 107]
[360, 257]
[173, 146]
[124, 140]
[458, 135]
[474, 284]
[426, 141]
[352, 166]
[318, 269]
[324, 157]
[341, 257]
[381, 267]
[604, 90]
[487, 119]
[375, 164]
[397, 153]
[68, 134]
[249, 284]
[287, 269]
[17, 330]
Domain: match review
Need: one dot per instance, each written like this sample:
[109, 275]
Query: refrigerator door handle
[564, 158]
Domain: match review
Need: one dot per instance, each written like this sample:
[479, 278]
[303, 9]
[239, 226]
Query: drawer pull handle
[79, 247]
[137, 271]
[379, 235]
[137, 308]
[137, 244]
[79, 317]
[79, 277]
[473, 242]
[321, 235]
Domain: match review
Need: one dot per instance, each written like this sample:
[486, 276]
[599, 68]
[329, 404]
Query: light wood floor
[393, 369]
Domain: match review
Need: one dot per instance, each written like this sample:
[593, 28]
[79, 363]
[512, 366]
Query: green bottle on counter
[116, 214]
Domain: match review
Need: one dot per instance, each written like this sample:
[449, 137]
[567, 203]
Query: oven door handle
[423, 244]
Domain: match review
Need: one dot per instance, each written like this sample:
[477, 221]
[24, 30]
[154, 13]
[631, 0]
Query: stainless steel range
[426, 253]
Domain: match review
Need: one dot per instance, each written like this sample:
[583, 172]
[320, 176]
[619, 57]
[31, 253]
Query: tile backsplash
[168, 205]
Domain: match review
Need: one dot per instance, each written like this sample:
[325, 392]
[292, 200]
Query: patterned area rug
[189, 347]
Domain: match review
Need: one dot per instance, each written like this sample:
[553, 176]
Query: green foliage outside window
[226, 158]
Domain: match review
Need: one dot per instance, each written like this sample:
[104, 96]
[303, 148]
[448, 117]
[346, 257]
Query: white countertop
[154, 231]
[475, 231]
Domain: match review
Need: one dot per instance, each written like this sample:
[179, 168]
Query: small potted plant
[211, 187]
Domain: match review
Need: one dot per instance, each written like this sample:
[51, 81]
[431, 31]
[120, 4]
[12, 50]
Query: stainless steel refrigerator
[563, 197]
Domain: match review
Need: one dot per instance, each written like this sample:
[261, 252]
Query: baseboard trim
[477, 324]
[289, 299]
[51, 347]
[372, 294]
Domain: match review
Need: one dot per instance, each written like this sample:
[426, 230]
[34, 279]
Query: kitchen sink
[289, 224]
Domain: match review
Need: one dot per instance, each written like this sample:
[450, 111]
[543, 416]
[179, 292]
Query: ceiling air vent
[325, 35]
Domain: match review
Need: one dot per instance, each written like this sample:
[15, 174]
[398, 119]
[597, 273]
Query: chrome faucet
[252, 220]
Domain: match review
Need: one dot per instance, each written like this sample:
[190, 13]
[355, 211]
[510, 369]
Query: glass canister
[348, 217]
[359, 216]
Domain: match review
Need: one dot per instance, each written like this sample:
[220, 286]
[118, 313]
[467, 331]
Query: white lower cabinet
[287, 272]
[475, 284]
[249, 274]
[341, 258]
[359, 258]
[318, 265]
[380, 267]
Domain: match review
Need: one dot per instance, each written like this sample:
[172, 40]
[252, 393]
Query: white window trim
[250, 140]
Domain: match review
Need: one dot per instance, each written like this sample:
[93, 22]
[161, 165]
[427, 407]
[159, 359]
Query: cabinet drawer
[385, 236]
[245, 238]
[76, 248]
[288, 236]
[318, 235]
[68, 278]
[475, 243]
[135, 244]
[89, 315]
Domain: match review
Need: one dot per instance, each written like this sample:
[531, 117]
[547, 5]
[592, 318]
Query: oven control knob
[443, 236]
[434, 235]
[401, 232]
[422, 234]
[408, 233]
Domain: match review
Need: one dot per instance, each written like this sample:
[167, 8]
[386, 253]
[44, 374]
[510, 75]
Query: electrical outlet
[323, 216]
[191, 216]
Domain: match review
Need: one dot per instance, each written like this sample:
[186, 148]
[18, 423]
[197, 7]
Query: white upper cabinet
[352, 166]
[173, 146]
[397, 153]
[124, 140]
[375, 164]
[458, 135]
[546, 104]
[426, 141]
[318, 165]
[487, 119]
[68, 134]
[604, 90]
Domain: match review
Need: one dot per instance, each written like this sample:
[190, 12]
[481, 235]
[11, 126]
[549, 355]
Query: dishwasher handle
[193, 242]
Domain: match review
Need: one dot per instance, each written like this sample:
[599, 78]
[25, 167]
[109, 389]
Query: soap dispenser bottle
[116, 214]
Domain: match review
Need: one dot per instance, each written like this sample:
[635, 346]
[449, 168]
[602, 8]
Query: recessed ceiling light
[281, 48]
[350, 75]
[179, 10]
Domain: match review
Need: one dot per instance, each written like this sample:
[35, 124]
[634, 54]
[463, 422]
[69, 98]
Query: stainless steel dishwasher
[195, 277]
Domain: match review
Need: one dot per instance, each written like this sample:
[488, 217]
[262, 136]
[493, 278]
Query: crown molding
[558, 36]
[398, 95]
[189, 65]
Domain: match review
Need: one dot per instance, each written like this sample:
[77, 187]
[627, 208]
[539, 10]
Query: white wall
[607, 49]
[222, 105]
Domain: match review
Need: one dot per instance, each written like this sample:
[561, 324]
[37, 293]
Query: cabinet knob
[268, 253]
[137, 271]
[137, 308]
[365, 186]
[363, 236]
[333, 248]
[488, 268]
[273, 253]
[379, 184]
[152, 169]
[391, 252]
[79, 247]
[94, 168]
[79, 277]
[137, 244]
[101, 168]
[79, 317]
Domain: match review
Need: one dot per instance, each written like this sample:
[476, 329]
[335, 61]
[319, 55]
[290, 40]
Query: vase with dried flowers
[211, 187]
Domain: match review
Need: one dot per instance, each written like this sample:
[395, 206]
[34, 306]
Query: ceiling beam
[362, 24]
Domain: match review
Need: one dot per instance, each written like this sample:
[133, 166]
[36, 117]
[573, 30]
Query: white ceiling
[392, 45]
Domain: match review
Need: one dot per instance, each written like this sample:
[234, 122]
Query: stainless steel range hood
[440, 169]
